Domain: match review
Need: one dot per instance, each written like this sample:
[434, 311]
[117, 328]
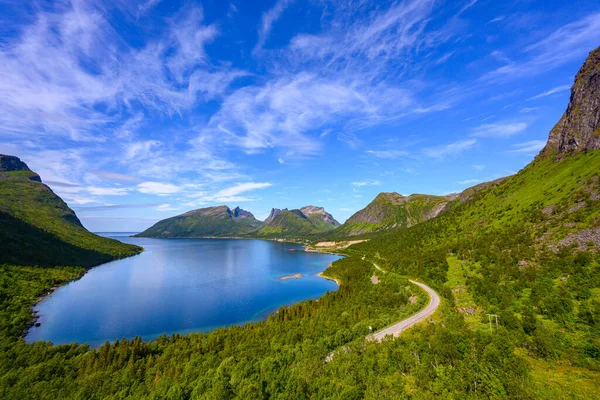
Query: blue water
[180, 286]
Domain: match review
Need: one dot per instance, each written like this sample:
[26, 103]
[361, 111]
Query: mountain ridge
[39, 228]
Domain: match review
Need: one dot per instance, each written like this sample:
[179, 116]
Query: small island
[295, 276]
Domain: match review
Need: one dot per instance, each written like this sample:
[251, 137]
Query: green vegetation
[290, 224]
[391, 211]
[548, 305]
[38, 228]
[212, 221]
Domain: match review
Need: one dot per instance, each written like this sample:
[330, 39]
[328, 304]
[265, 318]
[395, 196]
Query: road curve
[397, 328]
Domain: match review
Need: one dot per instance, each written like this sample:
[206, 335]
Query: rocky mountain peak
[239, 213]
[12, 164]
[390, 197]
[308, 210]
[320, 213]
[579, 128]
[274, 213]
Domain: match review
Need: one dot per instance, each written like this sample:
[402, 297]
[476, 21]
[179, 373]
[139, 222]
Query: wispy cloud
[388, 154]
[158, 188]
[114, 207]
[350, 139]
[106, 191]
[550, 92]
[114, 176]
[366, 183]
[267, 21]
[565, 44]
[242, 188]
[499, 129]
[450, 149]
[469, 181]
[532, 146]
[166, 207]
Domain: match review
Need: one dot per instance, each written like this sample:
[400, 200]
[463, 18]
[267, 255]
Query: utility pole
[490, 319]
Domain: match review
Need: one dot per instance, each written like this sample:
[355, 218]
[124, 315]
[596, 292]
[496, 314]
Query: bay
[180, 286]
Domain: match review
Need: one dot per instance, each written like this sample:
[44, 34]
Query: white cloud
[478, 167]
[550, 92]
[469, 182]
[268, 19]
[499, 129]
[389, 154]
[350, 139]
[241, 188]
[157, 188]
[75, 199]
[366, 183]
[450, 149]
[166, 207]
[532, 146]
[570, 42]
[104, 191]
[56, 71]
[113, 176]
[527, 110]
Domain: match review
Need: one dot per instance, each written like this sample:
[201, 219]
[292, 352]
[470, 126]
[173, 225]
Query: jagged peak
[579, 127]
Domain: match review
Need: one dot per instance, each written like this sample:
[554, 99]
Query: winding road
[397, 328]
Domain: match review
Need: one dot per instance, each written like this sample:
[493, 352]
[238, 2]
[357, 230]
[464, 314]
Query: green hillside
[392, 211]
[291, 224]
[211, 221]
[38, 228]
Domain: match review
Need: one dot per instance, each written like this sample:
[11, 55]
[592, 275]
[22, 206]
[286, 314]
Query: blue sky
[137, 111]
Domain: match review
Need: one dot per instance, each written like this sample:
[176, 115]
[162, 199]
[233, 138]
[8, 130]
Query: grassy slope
[381, 214]
[197, 226]
[38, 228]
[320, 224]
[543, 183]
[512, 212]
[288, 224]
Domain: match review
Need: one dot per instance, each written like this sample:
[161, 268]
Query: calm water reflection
[180, 285]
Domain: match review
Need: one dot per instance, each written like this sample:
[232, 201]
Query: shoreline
[48, 292]
[329, 278]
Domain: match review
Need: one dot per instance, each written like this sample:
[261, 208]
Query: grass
[552, 381]
[457, 274]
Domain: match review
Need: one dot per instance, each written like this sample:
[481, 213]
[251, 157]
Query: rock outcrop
[274, 212]
[13, 164]
[319, 216]
[579, 128]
